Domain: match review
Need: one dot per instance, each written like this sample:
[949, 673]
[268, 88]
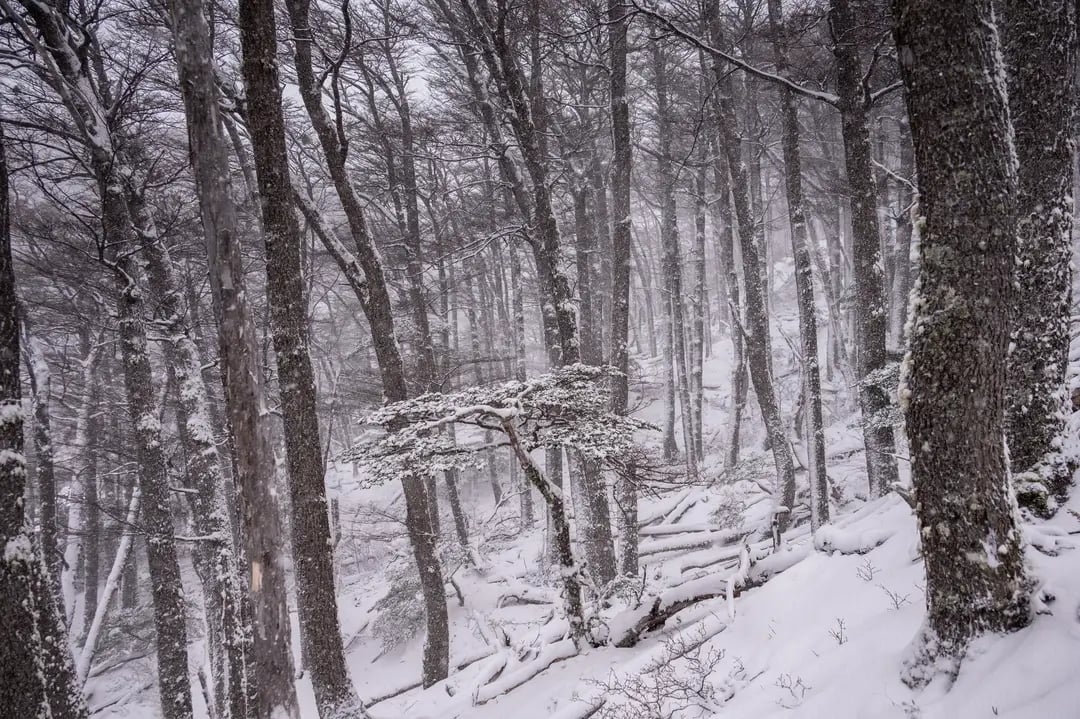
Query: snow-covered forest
[611, 359]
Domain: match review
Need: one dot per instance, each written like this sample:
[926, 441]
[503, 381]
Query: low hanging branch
[567, 408]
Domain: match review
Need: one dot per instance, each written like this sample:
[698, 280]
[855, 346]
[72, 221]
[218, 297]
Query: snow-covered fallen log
[515, 677]
[695, 541]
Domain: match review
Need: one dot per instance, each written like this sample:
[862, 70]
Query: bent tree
[568, 408]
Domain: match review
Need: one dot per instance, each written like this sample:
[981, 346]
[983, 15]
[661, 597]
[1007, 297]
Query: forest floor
[819, 631]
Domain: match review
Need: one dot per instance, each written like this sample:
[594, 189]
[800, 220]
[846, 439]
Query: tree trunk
[374, 298]
[901, 286]
[41, 393]
[871, 311]
[37, 678]
[723, 224]
[804, 280]
[320, 635]
[626, 491]
[757, 322]
[215, 559]
[955, 385]
[1039, 42]
[269, 688]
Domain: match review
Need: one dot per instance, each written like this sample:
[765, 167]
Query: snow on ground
[824, 636]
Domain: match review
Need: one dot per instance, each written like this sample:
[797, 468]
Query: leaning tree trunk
[61, 61]
[757, 322]
[320, 635]
[1039, 42]
[37, 678]
[871, 311]
[626, 492]
[804, 281]
[270, 686]
[375, 301]
[955, 384]
[215, 559]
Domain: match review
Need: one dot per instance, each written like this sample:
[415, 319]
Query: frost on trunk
[871, 312]
[90, 350]
[261, 683]
[41, 393]
[955, 372]
[60, 59]
[215, 561]
[37, 677]
[1039, 45]
[756, 331]
[97, 621]
[804, 282]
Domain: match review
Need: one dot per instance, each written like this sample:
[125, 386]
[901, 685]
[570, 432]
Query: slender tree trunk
[698, 301]
[804, 280]
[955, 385]
[621, 242]
[871, 311]
[1039, 42]
[41, 395]
[901, 286]
[74, 555]
[757, 322]
[374, 297]
[723, 223]
[37, 678]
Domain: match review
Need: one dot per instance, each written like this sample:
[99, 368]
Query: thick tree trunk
[871, 311]
[165, 584]
[1039, 42]
[261, 682]
[320, 635]
[955, 384]
[804, 280]
[37, 678]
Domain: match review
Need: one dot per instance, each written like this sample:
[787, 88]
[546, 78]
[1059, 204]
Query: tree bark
[320, 635]
[1039, 42]
[955, 385]
[41, 395]
[621, 239]
[268, 671]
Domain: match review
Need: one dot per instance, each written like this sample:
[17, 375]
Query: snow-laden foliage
[564, 408]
